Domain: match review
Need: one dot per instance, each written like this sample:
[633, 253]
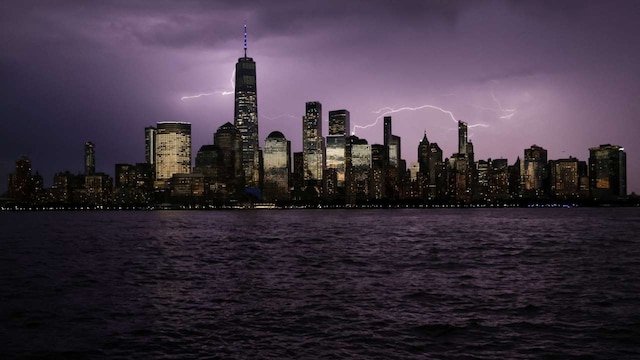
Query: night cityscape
[223, 179]
[338, 170]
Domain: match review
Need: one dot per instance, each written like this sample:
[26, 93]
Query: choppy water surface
[378, 284]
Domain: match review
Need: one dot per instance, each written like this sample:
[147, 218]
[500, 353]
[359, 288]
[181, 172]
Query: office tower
[483, 174]
[173, 149]
[515, 179]
[377, 189]
[462, 137]
[125, 176]
[149, 145]
[336, 140]
[499, 180]
[297, 175]
[423, 155]
[607, 172]
[208, 162]
[97, 189]
[313, 143]
[534, 171]
[414, 169]
[89, 158]
[339, 122]
[246, 116]
[229, 140]
[392, 146]
[565, 178]
[436, 183]
[20, 186]
[358, 169]
[460, 178]
[277, 167]
[133, 184]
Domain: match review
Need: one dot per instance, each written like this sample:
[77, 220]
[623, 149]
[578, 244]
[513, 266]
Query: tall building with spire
[89, 158]
[246, 116]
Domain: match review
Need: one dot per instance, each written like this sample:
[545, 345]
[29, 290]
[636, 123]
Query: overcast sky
[564, 75]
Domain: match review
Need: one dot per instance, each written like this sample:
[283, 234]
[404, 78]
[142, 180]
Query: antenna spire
[245, 39]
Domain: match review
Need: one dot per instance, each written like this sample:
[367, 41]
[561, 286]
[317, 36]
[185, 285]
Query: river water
[309, 284]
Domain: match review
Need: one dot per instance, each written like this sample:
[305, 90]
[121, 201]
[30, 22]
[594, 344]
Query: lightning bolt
[216, 92]
[507, 113]
[388, 110]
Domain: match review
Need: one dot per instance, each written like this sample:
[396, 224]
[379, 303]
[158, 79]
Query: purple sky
[564, 75]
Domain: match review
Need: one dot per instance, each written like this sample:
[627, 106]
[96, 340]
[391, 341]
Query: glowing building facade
[172, 149]
[607, 172]
[534, 171]
[313, 142]
[277, 167]
[246, 116]
[338, 131]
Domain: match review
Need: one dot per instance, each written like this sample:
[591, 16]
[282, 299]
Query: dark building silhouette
[567, 178]
[462, 137]
[534, 172]
[358, 170]
[230, 178]
[20, 184]
[607, 172]
[277, 167]
[437, 173]
[89, 158]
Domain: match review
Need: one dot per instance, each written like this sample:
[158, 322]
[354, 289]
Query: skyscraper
[358, 164]
[172, 149]
[534, 171]
[313, 142]
[564, 176]
[277, 167]
[230, 175]
[392, 146]
[338, 132]
[462, 137]
[149, 145]
[89, 158]
[246, 116]
[437, 176]
[607, 172]
[423, 155]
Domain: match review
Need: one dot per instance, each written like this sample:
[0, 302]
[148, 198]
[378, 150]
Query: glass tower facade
[173, 149]
[313, 142]
[607, 171]
[89, 158]
[534, 170]
[246, 118]
[338, 127]
[277, 167]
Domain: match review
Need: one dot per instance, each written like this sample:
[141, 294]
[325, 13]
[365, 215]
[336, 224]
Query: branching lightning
[507, 113]
[216, 92]
[388, 110]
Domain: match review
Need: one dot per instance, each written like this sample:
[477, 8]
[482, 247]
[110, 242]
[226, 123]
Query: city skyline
[565, 95]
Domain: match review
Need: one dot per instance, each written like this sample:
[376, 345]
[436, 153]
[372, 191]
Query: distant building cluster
[340, 169]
